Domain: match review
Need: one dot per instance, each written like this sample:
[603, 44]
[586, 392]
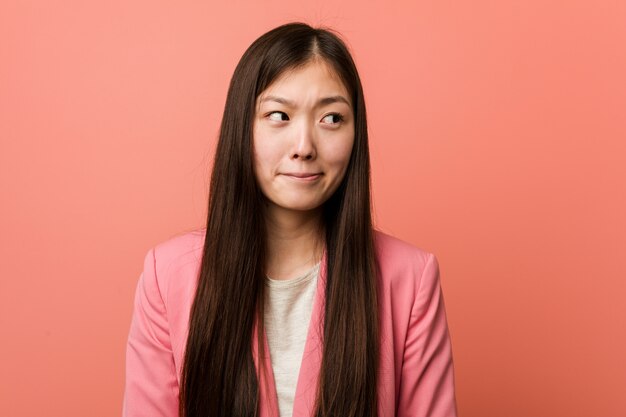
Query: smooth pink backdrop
[498, 136]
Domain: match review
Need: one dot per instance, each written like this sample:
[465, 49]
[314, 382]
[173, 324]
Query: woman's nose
[304, 146]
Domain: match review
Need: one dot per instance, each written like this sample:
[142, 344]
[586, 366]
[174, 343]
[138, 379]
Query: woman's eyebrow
[321, 102]
[333, 99]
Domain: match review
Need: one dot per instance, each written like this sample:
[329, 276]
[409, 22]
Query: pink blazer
[416, 376]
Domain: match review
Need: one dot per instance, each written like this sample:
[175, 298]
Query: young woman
[289, 303]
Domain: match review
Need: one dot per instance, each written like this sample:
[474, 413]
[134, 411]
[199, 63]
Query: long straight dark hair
[219, 377]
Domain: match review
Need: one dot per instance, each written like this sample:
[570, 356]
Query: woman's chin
[296, 206]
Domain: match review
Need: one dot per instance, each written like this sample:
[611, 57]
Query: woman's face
[303, 133]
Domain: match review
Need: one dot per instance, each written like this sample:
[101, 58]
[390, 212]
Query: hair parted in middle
[219, 377]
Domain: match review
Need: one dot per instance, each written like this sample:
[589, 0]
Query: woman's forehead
[316, 75]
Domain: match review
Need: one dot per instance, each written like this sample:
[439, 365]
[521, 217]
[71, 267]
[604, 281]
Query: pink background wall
[498, 137]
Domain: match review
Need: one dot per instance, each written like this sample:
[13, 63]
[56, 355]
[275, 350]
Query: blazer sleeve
[427, 384]
[151, 387]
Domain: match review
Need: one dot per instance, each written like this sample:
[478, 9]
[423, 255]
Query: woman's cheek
[341, 149]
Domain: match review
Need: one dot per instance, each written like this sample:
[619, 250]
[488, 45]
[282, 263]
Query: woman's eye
[278, 116]
[333, 118]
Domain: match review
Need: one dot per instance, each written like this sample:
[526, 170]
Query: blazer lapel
[306, 389]
[268, 400]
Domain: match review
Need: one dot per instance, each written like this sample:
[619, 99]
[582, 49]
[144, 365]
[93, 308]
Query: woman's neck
[294, 241]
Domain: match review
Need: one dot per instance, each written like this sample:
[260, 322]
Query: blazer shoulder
[177, 257]
[403, 267]
[392, 250]
[180, 246]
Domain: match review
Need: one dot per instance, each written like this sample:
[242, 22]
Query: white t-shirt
[288, 306]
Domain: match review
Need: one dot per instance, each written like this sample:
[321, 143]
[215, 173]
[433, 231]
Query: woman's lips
[303, 176]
